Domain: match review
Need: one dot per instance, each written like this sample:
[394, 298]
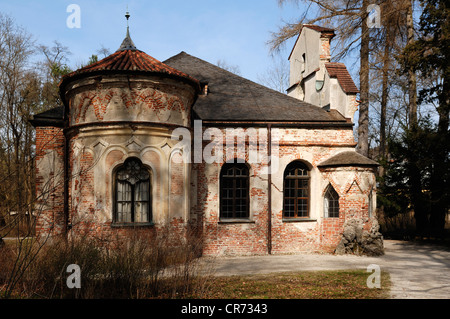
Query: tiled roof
[349, 158]
[339, 71]
[129, 59]
[230, 98]
[132, 61]
[234, 98]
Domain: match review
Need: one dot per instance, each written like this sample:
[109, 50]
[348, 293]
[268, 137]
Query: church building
[140, 144]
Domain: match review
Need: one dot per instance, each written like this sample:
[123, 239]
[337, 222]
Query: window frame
[331, 214]
[133, 201]
[222, 197]
[297, 164]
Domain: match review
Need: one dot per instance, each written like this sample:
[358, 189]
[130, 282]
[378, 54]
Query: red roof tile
[339, 71]
[132, 61]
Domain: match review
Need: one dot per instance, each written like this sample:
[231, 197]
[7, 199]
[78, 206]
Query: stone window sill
[298, 220]
[117, 225]
[236, 221]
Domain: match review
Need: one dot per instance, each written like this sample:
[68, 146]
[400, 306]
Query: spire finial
[127, 43]
[127, 15]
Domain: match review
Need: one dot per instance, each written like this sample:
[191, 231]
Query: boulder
[356, 240]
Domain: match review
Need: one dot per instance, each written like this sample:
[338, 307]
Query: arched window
[132, 201]
[331, 202]
[296, 190]
[234, 191]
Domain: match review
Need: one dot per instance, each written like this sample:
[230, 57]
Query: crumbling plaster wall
[251, 236]
[113, 118]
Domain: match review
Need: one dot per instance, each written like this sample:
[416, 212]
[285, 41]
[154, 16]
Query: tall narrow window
[132, 193]
[303, 67]
[331, 202]
[296, 190]
[370, 208]
[234, 191]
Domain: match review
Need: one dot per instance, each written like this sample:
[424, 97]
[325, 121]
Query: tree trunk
[384, 101]
[420, 211]
[411, 74]
[363, 123]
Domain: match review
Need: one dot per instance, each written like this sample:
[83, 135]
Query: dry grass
[138, 268]
[343, 284]
[145, 268]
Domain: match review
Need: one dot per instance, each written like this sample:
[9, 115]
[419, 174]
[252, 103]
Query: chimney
[325, 42]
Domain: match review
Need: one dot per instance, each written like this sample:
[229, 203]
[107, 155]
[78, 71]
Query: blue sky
[232, 31]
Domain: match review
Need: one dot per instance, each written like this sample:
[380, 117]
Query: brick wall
[49, 206]
[222, 237]
[95, 151]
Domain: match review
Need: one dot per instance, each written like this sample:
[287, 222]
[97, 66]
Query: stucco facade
[317, 80]
[129, 108]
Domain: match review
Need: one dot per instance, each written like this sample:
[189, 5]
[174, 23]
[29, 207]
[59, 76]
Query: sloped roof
[127, 43]
[53, 117]
[349, 158]
[339, 71]
[230, 98]
[128, 59]
[318, 28]
[233, 98]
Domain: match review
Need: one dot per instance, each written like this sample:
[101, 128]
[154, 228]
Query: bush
[400, 226]
[143, 266]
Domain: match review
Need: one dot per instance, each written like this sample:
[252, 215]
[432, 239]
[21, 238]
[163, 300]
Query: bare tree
[277, 76]
[364, 69]
[18, 96]
[387, 45]
[103, 51]
[412, 93]
[53, 68]
[226, 66]
[26, 88]
[353, 33]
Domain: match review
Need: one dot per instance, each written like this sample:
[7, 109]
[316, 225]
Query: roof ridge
[335, 63]
[340, 71]
[348, 158]
[131, 61]
[244, 82]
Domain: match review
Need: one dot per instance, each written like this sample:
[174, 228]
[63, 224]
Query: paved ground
[417, 270]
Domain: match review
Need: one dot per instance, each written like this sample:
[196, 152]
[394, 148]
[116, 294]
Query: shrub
[141, 266]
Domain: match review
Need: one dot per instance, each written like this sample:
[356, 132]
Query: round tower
[123, 169]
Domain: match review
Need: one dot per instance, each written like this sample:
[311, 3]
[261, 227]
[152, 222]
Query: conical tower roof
[128, 60]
